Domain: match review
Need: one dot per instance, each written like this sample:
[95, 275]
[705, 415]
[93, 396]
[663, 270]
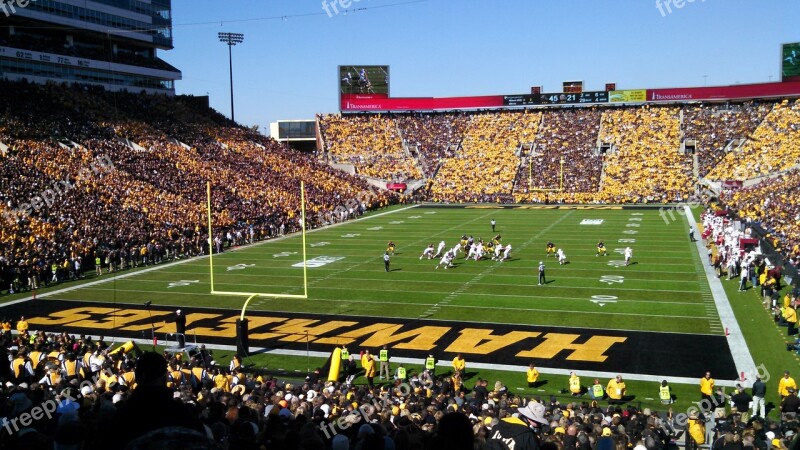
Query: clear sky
[286, 67]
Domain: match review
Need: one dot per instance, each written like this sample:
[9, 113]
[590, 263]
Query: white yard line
[739, 351]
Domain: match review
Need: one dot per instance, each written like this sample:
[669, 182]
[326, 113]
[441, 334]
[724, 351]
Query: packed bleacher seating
[714, 126]
[647, 165]
[73, 193]
[773, 147]
[487, 162]
[570, 134]
[371, 143]
[434, 135]
[85, 392]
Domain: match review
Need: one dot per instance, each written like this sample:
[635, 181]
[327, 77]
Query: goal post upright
[252, 295]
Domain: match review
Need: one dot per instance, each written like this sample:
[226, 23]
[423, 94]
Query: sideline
[196, 258]
[739, 351]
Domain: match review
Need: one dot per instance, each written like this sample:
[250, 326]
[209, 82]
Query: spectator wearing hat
[741, 400]
[522, 432]
[759, 392]
[790, 405]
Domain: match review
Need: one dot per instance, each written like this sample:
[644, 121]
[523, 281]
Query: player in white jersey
[498, 250]
[628, 255]
[562, 258]
[455, 250]
[446, 260]
[473, 249]
[440, 249]
[479, 250]
[507, 252]
[428, 252]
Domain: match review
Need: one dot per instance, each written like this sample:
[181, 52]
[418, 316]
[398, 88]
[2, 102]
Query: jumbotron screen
[364, 80]
[790, 62]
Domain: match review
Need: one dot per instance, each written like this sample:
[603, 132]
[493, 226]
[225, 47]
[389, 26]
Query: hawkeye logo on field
[319, 261]
[592, 222]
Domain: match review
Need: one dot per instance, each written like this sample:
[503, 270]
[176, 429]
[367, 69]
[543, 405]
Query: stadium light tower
[231, 39]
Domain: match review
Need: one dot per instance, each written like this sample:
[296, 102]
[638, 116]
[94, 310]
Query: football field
[655, 317]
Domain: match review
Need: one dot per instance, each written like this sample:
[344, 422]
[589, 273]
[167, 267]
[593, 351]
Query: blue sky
[286, 68]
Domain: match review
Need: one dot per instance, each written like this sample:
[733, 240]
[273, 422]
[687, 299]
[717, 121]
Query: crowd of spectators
[434, 135]
[371, 143]
[62, 390]
[772, 147]
[488, 160]
[75, 194]
[647, 164]
[714, 126]
[569, 135]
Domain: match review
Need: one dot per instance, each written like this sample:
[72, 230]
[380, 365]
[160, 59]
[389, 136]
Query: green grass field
[664, 282]
[664, 292]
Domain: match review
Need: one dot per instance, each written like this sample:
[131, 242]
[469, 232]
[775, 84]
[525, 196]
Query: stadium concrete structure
[107, 43]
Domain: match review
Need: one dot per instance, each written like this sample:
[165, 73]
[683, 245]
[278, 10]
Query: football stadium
[590, 266]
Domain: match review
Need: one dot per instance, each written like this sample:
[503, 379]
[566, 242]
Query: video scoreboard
[561, 98]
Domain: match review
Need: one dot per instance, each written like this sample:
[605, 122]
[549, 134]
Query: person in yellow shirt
[22, 326]
[575, 384]
[707, 387]
[459, 364]
[369, 369]
[533, 375]
[615, 389]
[785, 384]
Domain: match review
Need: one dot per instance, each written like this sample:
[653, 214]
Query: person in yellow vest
[533, 376]
[52, 376]
[615, 389]
[36, 356]
[430, 365]
[459, 364]
[575, 384]
[22, 326]
[400, 373]
[785, 384]
[98, 265]
[127, 377]
[345, 353]
[596, 392]
[369, 369]
[71, 369]
[21, 367]
[199, 377]
[383, 356]
[665, 393]
[707, 387]
[790, 316]
[176, 377]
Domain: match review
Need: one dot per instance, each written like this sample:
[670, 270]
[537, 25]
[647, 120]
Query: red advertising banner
[377, 102]
[723, 92]
[382, 102]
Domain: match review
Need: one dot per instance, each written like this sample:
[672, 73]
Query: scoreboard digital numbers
[556, 99]
[567, 98]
